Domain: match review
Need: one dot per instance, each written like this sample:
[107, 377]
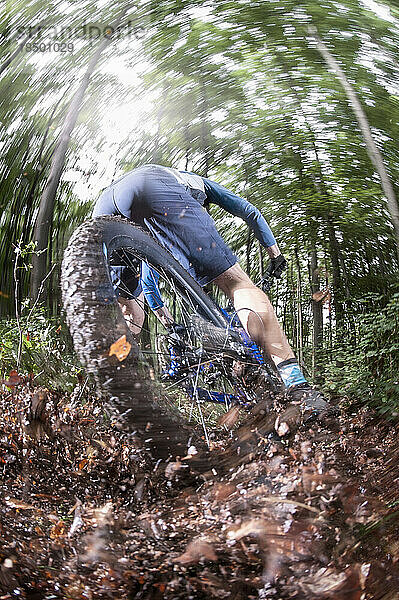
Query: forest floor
[86, 515]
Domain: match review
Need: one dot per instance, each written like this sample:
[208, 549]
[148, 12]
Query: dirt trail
[85, 514]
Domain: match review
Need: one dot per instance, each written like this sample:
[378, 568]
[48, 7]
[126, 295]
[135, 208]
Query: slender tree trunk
[261, 267]
[317, 312]
[205, 130]
[43, 222]
[17, 51]
[372, 148]
[299, 307]
[38, 171]
[291, 328]
[157, 154]
[336, 272]
[248, 252]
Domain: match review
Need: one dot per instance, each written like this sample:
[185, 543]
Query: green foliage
[44, 347]
[369, 371]
[239, 93]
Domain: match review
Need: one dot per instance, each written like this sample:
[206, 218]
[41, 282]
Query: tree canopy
[239, 92]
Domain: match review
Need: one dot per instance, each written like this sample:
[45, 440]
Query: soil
[87, 514]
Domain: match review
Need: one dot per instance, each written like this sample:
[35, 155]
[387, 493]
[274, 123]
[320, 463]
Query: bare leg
[260, 321]
[255, 313]
[133, 312]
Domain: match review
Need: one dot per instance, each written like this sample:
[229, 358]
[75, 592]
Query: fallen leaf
[288, 421]
[330, 584]
[59, 529]
[252, 527]
[223, 491]
[230, 418]
[120, 348]
[83, 463]
[15, 503]
[13, 380]
[38, 405]
[195, 551]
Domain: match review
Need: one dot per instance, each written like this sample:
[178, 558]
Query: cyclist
[171, 204]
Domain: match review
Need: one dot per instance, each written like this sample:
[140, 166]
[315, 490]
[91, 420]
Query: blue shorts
[155, 200]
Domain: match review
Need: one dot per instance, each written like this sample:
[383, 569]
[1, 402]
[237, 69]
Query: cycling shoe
[312, 402]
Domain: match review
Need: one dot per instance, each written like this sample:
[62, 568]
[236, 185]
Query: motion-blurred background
[291, 103]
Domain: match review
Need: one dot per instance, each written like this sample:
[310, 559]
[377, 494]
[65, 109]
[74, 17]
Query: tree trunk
[317, 312]
[17, 50]
[248, 252]
[336, 272]
[205, 130]
[43, 221]
[299, 308]
[372, 149]
[261, 267]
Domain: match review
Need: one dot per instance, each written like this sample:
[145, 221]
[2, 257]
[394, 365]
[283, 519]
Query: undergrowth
[39, 347]
[368, 371]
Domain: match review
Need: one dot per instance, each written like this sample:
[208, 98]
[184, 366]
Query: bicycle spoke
[183, 356]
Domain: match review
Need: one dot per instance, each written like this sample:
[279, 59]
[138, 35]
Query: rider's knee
[233, 279]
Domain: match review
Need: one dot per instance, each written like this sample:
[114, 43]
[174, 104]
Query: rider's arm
[149, 282]
[239, 207]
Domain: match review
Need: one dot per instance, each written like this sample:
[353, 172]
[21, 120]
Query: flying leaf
[322, 295]
[288, 421]
[230, 418]
[173, 468]
[256, 527]
[120, 348]
[331, 584]
[196, 550]
[58, 530]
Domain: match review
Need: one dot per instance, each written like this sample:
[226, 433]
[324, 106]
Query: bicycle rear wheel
[197, 369]
[209, 352]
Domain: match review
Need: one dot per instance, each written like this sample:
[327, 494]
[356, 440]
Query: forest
[294, 106]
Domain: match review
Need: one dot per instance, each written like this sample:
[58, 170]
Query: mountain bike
[206, 357]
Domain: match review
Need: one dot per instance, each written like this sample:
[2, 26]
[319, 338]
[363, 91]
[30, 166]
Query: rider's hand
[176, 328]
[276, 266]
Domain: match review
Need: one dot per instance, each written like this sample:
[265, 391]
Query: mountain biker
[170, 204]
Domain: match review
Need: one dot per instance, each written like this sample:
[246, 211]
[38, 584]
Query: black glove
[176, 331]
[177, 328]
[276, 266]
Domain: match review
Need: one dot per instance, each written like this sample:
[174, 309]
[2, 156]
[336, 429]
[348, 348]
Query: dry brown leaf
[329, 584]
[15, 503]
[120, 348]
[195, 551]
[230, 418]
[13, 380]
[223, 491]
[321, 295]
[255, 527]
[59, 529]
[38, 405]
[172, 468]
